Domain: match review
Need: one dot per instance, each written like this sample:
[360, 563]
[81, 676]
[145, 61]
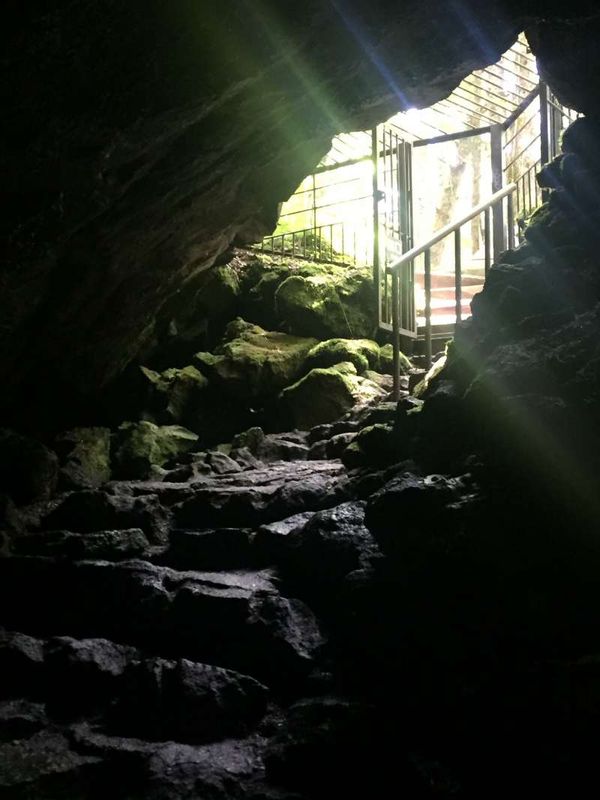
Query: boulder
[255, 364]
[336, 303]
[187, 702]
[174, 396]
[143, 445]
[330, 545]
[363, 353]
[322, 396]
[386, 361]
[84, 455]
[375, 445]
[28, 469]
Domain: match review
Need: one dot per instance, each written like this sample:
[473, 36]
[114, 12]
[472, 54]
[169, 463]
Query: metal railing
[493, 213]
[335, 243]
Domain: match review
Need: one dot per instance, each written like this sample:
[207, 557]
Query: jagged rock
[263, 495]
[374, 445]
[28, 469]
[44, 766]
[187, 702]
[271, 539]
[95, 511]
[143, 445]
[322, 396]
[21, 661]
[409, 506]
[109, 545]
[84, 676]
[172, 770]
[232, 619]
[223, 548]
[330, 545]
[84, 457]
[363, 353]
[339, 304]
[255, 364]
[221, 463]
[20, 719]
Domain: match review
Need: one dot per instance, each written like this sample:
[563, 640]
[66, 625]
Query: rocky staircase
[152, 629]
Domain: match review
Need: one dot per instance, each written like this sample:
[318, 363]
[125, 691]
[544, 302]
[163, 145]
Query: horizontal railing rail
[406, 261]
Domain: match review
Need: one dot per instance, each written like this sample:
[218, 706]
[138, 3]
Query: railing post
[510, 213]
[487, 240]
[458, 274]
[376, 259]
[496, 132]
[396, 334]
[545, 144]
[428, 307]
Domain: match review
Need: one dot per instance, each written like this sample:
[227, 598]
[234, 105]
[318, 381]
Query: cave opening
[251, 546]
[381, 193]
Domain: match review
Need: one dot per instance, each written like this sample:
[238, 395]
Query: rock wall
[142, 139]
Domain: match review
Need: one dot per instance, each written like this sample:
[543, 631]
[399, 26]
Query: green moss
[363, 353]
[339, 303]
[85, 457]
[322, 396]
[175, 395]
[142, 445]
[386, 361]
[255, 364]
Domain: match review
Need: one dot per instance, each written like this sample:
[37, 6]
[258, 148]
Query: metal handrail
[410, 255]
[406, 261]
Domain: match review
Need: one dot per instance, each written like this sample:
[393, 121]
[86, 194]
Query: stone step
[129, 693]
[234, 619]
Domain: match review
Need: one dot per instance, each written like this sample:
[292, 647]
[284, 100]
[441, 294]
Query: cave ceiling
[142, 139]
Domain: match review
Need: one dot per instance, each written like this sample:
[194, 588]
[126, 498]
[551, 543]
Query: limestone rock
[85, 457]
[142, 445]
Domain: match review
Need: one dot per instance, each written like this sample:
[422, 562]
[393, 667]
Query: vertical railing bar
[487, 235]
[428, 352]
[510, 213]
[458, 274]
[395, 335]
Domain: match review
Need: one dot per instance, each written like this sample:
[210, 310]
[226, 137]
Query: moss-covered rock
[421, 388]
[140, 446]
[339, 303]
[84, 455]
[255, 364]
[322, 396]
[174, 396]
[386, 361]
[375, 445]
[363, 353]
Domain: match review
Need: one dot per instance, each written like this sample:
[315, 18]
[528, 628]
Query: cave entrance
[431, 197]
